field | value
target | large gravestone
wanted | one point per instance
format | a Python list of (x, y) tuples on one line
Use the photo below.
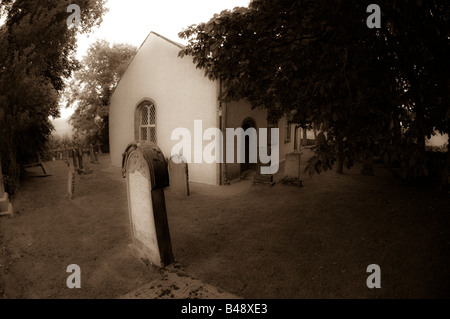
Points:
[(5, 206), (179, 175), (145, 169)]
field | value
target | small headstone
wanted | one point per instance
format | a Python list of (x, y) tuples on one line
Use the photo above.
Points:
[(71, 182), (65, 152), (86, 162), (179, 175), (96, 157), (80, 159), (99, 147), (93, 155), (145, 169), (292, 169), (75, 158)]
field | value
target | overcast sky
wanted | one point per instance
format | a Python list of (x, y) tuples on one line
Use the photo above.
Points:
[(131, 21)]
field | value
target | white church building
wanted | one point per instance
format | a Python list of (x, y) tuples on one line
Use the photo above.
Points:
[(161, 92)]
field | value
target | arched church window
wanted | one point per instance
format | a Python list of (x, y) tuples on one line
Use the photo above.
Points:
[(147, 122)]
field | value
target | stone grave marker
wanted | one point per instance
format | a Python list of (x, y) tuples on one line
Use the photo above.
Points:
[(75, 158), (71, 179), (65, 152), (86, 160), (79, 153), (179, 175), (5, 206), (292, 169), (145, 169), (99, 147), (93, 155)]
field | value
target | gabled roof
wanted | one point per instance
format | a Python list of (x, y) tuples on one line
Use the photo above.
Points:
[(168, 40), (180, 46)]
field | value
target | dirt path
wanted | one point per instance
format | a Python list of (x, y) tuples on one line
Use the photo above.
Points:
[(259, 242)]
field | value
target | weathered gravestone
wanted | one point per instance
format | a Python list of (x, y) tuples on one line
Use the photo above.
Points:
[(75, 159), (99, 147), (5, 206), (145, 169), (85, 162), (93, 155), (71, 179), (292, 169), (65, 152), (79, 152), (179, 175)]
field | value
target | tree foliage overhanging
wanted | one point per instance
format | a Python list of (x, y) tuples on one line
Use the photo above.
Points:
[(371, 90), (91, 89), (37, 53)]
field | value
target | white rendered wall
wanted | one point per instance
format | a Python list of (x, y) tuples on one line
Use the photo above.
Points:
[(180, 92)]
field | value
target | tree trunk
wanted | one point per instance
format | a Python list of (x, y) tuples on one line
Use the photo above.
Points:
[(420, 135), (2, 185), (305, 138), (419, 119), (13, 173), (296, 138)]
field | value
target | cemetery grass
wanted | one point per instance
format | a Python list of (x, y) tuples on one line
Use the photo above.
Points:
[(265, 242)]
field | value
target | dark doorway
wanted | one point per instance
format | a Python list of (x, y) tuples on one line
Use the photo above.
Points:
[(247, 166)]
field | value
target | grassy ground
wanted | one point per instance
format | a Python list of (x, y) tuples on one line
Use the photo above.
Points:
[(254, 241)]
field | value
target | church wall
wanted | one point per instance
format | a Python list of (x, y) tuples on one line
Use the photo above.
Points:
[(180, 92)]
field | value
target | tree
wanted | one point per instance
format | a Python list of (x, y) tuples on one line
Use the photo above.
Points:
[(318, 62), (92, 87), (417, 35), (37, 50)]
